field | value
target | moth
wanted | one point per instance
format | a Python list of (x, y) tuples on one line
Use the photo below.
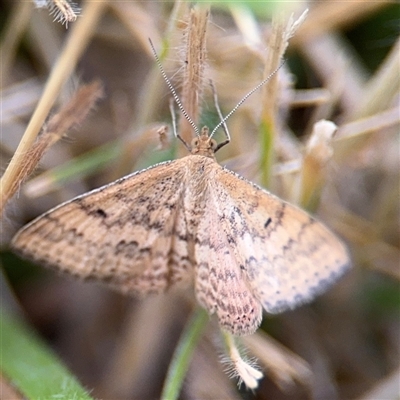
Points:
[(191, 221)]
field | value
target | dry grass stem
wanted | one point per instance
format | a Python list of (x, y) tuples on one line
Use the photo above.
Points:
[(379, 121), (69, 116), (69, 56), (278, 41), (310, 97), (193, 70), (276, 46), (77, 109), (317, 154)]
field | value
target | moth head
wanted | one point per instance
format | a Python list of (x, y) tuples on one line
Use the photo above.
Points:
[(203, 145)]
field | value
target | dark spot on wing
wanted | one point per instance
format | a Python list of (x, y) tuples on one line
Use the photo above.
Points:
[(101, 213), (267, 222)]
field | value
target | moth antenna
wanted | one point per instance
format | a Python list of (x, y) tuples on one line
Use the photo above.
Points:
[(175, 96), (221, 117), (222, 122)]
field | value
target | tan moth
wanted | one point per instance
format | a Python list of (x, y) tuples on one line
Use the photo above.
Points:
[(192, 221)]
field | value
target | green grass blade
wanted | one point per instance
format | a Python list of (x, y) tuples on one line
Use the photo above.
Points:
[(31, 367), (183, 354), (267, 153)]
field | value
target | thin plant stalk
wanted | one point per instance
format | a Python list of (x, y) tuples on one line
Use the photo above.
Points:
[(183, 354)]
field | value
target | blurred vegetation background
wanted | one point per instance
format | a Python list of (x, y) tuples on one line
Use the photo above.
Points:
[(343, 65)]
